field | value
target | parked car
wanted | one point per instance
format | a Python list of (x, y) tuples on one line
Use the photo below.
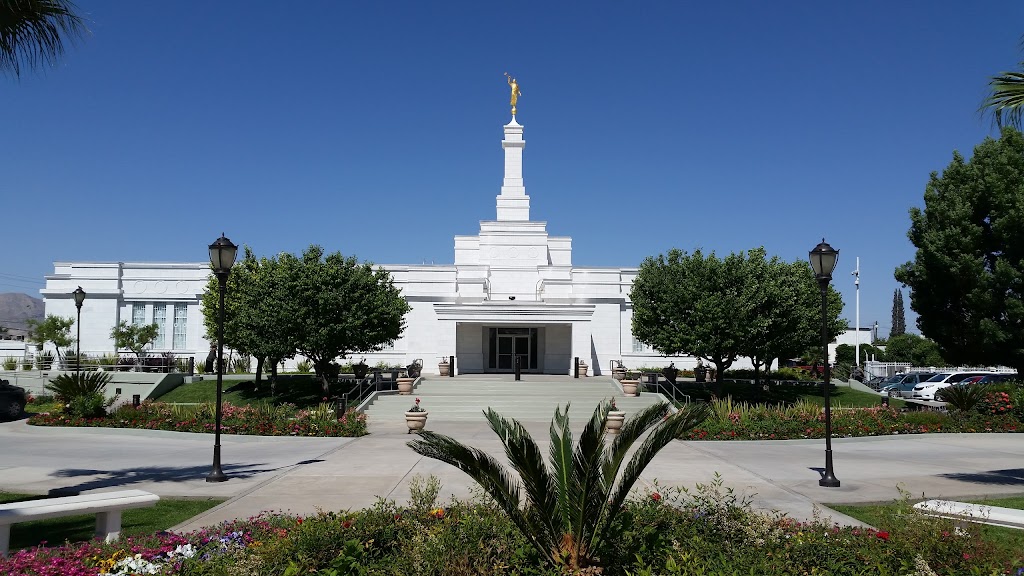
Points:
[(926, 390), (904, 386), (875, 383), (997, 378), (12, 401)]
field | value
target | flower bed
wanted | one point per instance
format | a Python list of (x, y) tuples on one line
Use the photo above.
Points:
[(711, 531), (744, 422), (280, 420)]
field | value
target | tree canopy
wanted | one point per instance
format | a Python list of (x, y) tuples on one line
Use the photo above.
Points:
[(134, 337), (967, 277), (321, 306), (899, 318), (53, 329), (720, 309), (1005, 98), (917, 350)]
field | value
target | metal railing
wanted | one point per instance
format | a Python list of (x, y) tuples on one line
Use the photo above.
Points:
[(374, 381)]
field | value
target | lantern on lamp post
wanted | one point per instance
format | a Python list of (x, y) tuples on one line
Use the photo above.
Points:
[(79, 295), (823, 262), (222, 258)]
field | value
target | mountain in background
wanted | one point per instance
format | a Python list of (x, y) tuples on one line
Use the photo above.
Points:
[(16, 308)]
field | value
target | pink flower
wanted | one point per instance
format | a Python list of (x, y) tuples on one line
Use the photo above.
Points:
[(655, 496)]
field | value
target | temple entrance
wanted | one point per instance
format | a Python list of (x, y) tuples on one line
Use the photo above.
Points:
[(509, 344)]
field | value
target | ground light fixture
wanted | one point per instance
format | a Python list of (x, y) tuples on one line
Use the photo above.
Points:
[(823, 262), (222, 258), (79, 295)]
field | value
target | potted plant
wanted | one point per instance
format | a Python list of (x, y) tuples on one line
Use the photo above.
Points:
[(700, 372), (618, 370), (414, 369), (583, 368), (613, 425), (443, 368), (631, 384), (416, 418), (670, 372), (360, 369)]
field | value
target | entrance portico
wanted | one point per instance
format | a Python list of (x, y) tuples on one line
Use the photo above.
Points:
[(489, 336)]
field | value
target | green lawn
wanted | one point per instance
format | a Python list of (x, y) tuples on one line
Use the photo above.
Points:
[(302, 390), (884, 516), (788, 394), (55, 531)]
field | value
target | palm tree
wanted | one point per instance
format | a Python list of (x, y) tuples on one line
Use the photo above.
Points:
[(1005, 99), (32, 32), (571, 503)]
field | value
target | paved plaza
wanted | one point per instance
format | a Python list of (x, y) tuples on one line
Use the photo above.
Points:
[(304, 474)]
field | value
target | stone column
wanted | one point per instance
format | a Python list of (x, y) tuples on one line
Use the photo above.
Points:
[(513, 203)]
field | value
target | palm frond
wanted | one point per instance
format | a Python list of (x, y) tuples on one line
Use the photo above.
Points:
[(589, 490), (1005, 99), (485, 470), (32, 32), (676, 424), (561, 461), (527, 459)]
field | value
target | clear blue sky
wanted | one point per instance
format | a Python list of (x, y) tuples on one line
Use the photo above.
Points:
[(373, 128)]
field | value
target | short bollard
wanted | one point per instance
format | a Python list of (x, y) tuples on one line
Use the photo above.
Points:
[(885, 401), (518, 369), (451, 366), (576, 367)]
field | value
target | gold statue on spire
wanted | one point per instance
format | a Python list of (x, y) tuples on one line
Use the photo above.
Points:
[(516, 93)]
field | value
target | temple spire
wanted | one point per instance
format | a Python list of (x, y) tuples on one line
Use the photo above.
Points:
[(513, 203)]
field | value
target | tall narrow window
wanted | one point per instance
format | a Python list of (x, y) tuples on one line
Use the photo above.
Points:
[(180, 322), (160, 319), (639, 347), (138, 313)]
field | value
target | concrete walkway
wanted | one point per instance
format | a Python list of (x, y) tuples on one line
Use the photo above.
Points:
[(304, 474)]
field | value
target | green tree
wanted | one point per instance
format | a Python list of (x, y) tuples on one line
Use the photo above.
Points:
[(967, 277), (846, 354), (1005, 99), (899, 319), (720, 309), (574, 500), (134, 337), (53, 329), (255, 319), (336, 306), (915, 349), (32, 32)]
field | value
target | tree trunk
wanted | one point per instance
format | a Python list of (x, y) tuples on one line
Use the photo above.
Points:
[(259, 370), (273, 377), (757, 371)]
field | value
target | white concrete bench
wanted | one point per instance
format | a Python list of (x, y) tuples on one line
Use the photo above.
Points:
[(106, 505), (962, 512)]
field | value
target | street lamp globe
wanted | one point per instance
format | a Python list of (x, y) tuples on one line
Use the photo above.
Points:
[(823, 260), (222, 255), (79, 295)]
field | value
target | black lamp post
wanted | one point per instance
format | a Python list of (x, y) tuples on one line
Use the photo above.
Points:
[(823, 261), (79, 295), (222, 258)]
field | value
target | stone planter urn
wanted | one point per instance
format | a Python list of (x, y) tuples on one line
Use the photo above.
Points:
[(614, 423), (416, 420), (359, 370), (630, 387), (444, 368), (405, 386), (583, 368), (619, 373)]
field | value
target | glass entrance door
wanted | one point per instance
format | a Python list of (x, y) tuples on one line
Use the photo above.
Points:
[(510, 347)]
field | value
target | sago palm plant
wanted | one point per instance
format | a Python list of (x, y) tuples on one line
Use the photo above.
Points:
[(571, 502), (72, 385)]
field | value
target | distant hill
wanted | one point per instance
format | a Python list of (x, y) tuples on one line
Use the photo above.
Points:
[(16, 308)]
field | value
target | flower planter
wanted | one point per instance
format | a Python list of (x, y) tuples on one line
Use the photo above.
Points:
[(619, 373), (583, 368), (416, 421), (360, 370), (443, 368), (630, 387), (405, 386), (614, 423)]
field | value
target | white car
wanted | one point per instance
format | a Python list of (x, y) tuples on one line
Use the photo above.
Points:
[(929, 388)]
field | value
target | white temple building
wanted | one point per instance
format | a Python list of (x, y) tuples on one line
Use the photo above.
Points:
[(512, 292)]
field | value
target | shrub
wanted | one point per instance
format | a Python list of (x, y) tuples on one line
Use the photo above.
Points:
[(69, 386), (304, 366), (10, 363), (963, 398), (26, 364), (995, 403), (240, 365), (92, 405), (44, 360)]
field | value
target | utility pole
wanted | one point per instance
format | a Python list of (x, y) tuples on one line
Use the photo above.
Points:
[(856, 283)]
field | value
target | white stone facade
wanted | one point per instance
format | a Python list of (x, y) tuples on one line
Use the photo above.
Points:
[(512, 291)]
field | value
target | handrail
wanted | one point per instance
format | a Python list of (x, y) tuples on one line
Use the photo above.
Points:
[(372, 382)]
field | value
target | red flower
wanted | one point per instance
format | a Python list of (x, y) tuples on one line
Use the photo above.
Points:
[(655, 496), (298, 520), (346, 524), (882, 534), (967, 556)]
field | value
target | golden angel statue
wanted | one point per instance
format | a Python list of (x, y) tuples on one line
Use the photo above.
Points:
[(516, 93)]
